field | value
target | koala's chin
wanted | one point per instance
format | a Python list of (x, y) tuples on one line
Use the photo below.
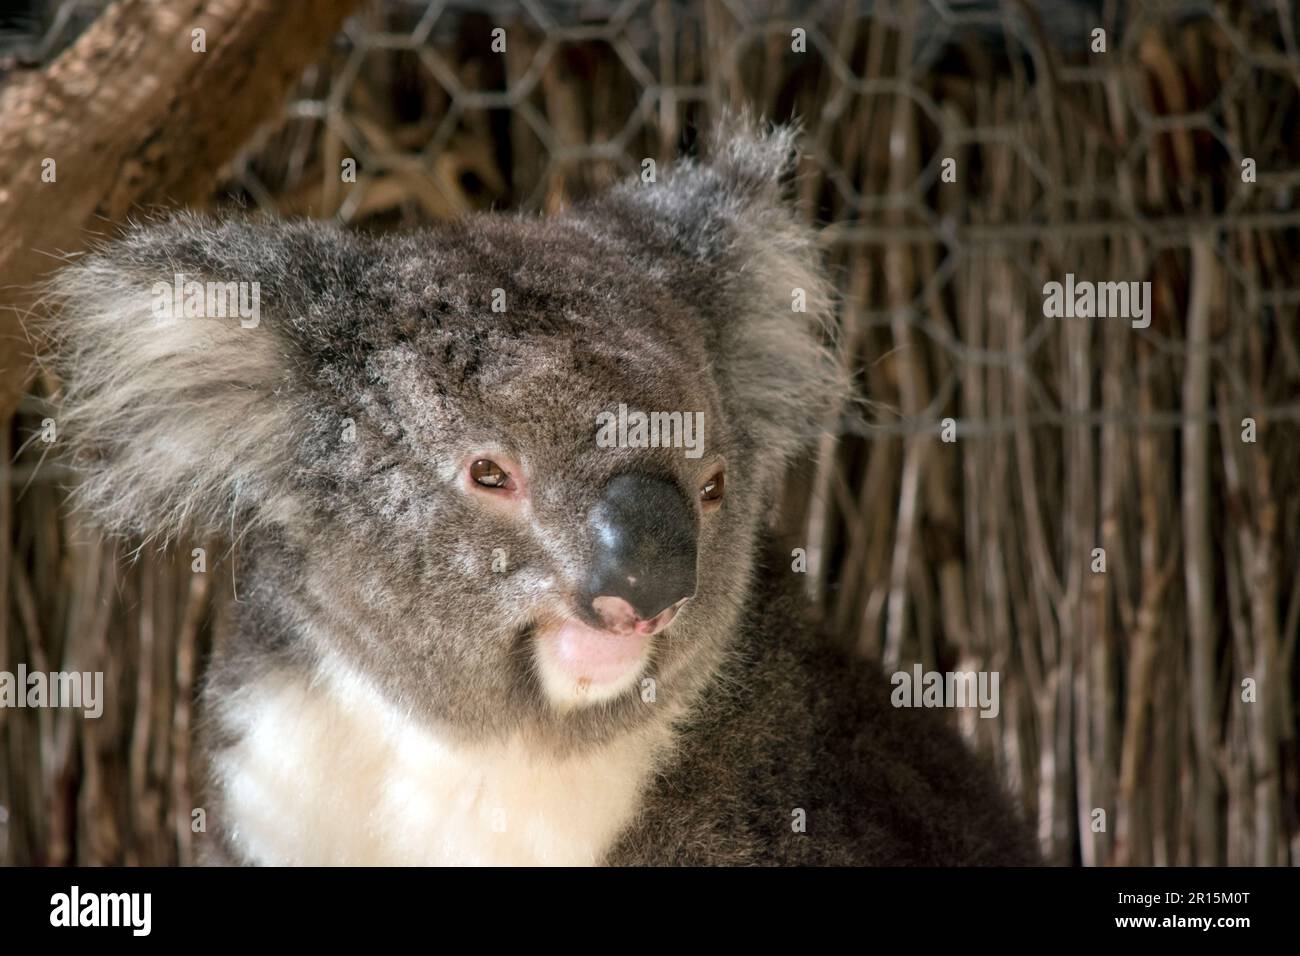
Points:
[(579, 664), (471, 628)]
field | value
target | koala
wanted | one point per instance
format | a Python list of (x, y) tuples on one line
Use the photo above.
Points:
[(467, 630)]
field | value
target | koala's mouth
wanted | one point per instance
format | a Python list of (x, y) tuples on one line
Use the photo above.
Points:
[(581, 664)]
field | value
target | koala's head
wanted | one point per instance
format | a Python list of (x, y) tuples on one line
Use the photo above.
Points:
[(513, 468)]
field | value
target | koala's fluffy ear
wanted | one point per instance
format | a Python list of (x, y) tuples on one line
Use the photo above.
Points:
[(770, 304), (171, 420)]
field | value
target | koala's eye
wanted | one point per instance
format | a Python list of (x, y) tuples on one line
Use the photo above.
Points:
[(712, 489), (489, 474)]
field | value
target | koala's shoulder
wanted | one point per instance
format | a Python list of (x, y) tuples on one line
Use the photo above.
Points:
[(797, 756)]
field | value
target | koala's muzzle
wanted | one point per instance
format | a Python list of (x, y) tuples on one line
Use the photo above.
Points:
[(643, 558)]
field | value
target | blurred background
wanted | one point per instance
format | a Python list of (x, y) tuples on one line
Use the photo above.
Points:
[(1173, 156)]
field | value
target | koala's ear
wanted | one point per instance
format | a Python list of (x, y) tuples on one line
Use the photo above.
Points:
[(175, 420), (769, 305)]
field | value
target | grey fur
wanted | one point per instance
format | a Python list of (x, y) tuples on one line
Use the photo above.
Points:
[(674, 295)]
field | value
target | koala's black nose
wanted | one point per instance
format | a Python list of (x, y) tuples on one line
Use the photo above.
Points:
[(644, 550)]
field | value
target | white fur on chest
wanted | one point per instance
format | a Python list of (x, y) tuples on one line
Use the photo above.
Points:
[(330, 774)]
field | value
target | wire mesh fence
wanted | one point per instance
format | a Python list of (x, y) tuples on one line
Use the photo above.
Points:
[(1102, 510)]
